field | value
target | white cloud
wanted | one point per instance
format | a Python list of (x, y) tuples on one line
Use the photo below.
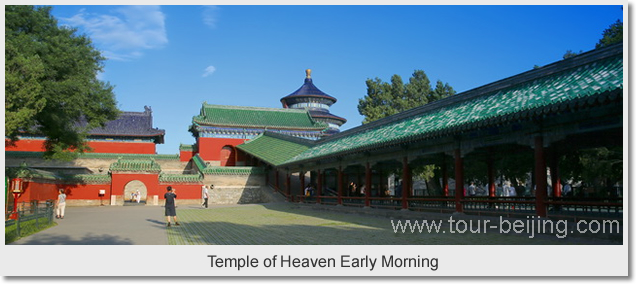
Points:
[(210, 15), (125, 33), (208, 71)]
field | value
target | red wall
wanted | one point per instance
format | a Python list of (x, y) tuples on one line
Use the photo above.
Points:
[(123, 147), (153, 187), (38, 191), (85, 191), (26, 145), (151, 181), (183, 190), (33, 145), (210, 148), (45, 191), (185, 156)]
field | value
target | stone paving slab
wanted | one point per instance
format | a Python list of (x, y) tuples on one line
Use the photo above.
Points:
[(293, 224), (104, 225), (257, 224)]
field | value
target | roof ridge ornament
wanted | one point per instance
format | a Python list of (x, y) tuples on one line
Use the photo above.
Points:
[(308, 72)]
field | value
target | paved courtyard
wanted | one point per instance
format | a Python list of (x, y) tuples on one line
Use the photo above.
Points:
[(259, 224)]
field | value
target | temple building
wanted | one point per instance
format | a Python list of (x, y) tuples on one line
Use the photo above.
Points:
[(131, 133), (309, 97), (537, 116), (124, 158), (123, 161), (218, 129)]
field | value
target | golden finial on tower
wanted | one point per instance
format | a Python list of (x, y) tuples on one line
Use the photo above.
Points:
[(308, 72)]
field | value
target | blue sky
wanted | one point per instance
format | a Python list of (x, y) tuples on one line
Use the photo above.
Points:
[(173, 58)]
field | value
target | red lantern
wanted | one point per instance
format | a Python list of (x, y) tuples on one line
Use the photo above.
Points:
[(16, 189)]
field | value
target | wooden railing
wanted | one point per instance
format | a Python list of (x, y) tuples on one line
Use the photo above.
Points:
[(482, 205)]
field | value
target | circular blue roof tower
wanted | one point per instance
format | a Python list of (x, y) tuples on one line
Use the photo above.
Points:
[(309, 97)]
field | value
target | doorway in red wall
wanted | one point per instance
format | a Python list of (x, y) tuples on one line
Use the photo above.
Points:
[(228, 156), (135, 187)]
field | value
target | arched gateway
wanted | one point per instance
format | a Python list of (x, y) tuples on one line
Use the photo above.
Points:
[(132, 175), (134, 187)]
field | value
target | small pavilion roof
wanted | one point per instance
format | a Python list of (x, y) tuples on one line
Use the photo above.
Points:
[(256, 117), (327, 115), (308, 89)]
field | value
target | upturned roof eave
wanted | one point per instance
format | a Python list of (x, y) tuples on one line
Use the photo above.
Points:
[(325, 96), (200, 124)]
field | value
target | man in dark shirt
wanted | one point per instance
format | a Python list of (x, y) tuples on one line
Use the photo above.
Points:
[(170, 196)]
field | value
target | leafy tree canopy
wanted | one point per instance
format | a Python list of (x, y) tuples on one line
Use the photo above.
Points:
[(51, 82), (598, 167), (570, 53), (384, 99), (611, 35)]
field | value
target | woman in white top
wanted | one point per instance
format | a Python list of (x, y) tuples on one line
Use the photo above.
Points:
[(60, 204), (205, 195)]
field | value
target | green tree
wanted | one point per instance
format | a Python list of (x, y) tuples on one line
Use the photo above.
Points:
[(570, 53), (611, 35), (384, 99), (51, 82), (599, 168)]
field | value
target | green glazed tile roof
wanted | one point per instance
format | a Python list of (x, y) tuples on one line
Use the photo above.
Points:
[(187, 147), (274, 148), (206, 169), (129, 156), (135, 165), (238, 116), (547, 91), (215, 170), (200, 163), (26, 172), (31, 173), (180, 178), (87, 179)]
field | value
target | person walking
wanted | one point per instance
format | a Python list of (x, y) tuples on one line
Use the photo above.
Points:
[(171, 211), (60, 204), (205, 194), (471, 189)]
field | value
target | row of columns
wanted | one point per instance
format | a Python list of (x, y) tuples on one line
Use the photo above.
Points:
[(540, 176)]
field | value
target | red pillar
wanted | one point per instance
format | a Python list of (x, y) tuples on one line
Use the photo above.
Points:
[(319, 186), (302, 182), (445, 177), (554, 174), (288, 187), (367, 185), (540, 176), (406, 182), (340, 185), (267, 177), (359, 182), (459, 181), (491, 178)]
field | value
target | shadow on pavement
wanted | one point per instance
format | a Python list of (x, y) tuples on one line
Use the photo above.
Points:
[(89, 239)]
